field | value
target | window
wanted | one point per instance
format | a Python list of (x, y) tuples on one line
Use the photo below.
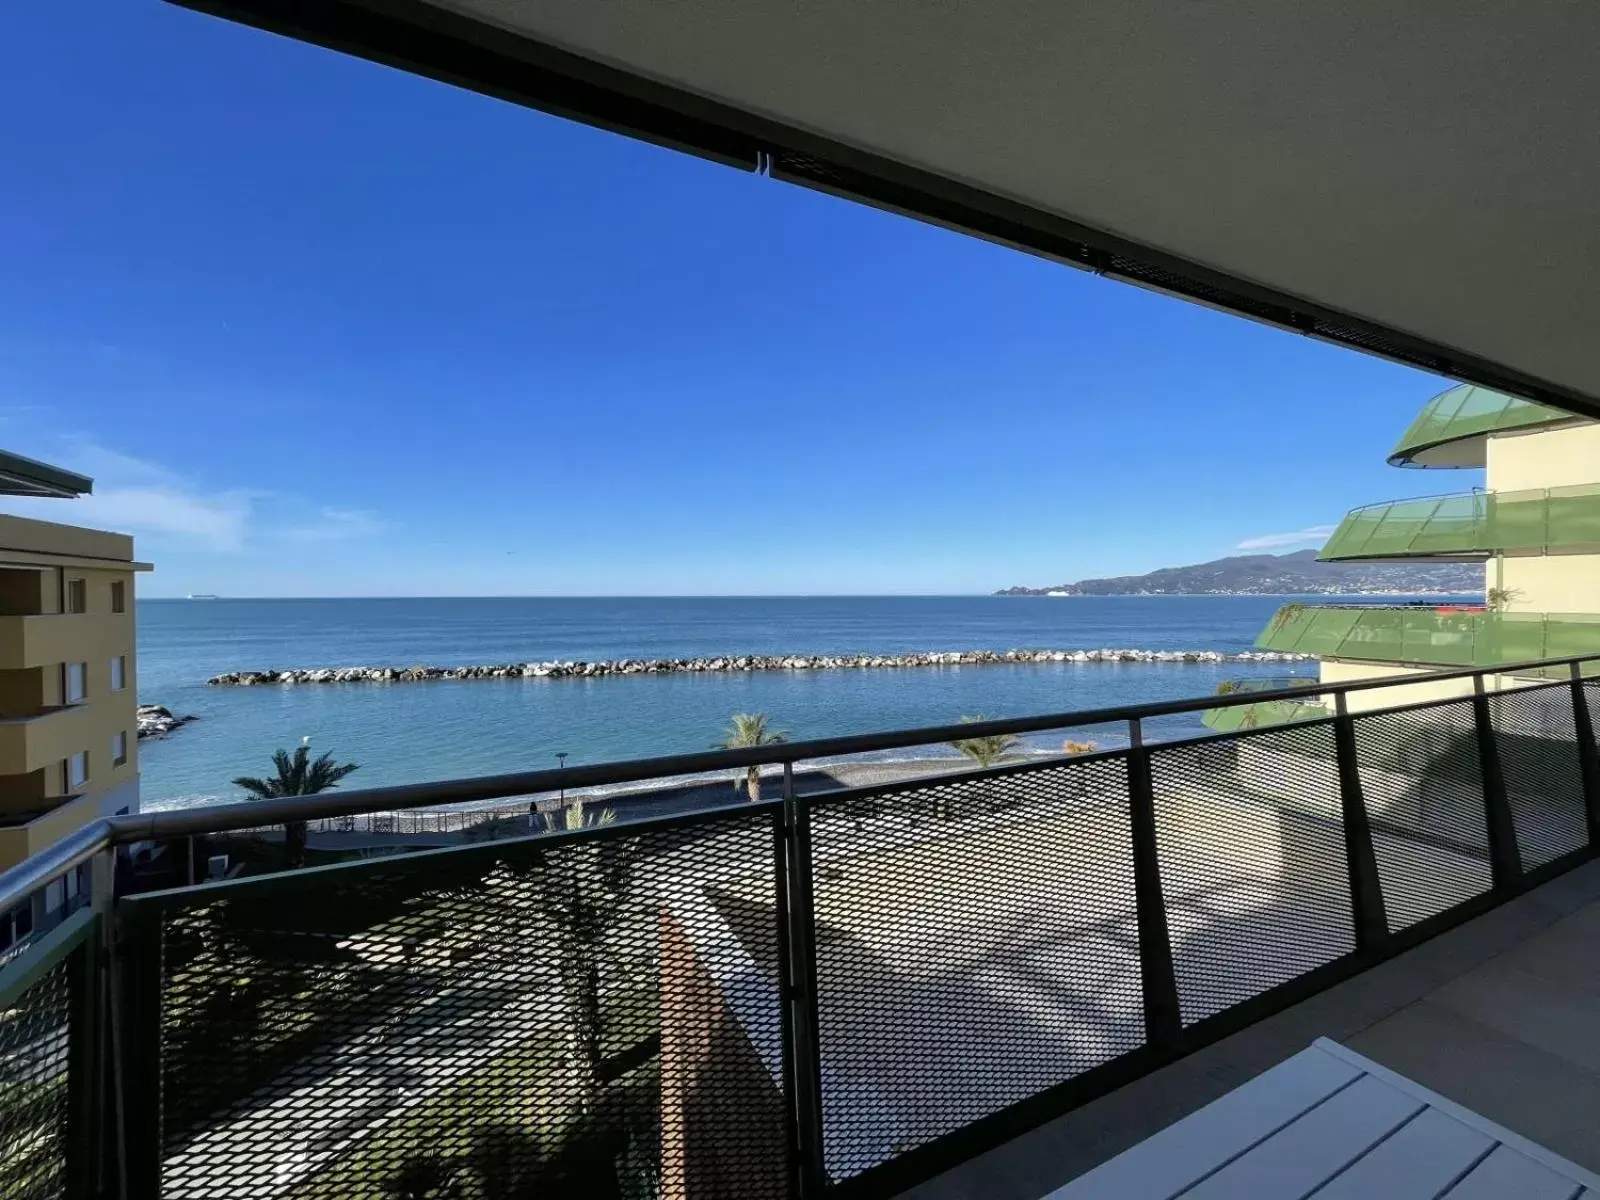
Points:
[(119, 596), (119, 673), (73, 677), (77, 596), (119, 748), (77, 769)]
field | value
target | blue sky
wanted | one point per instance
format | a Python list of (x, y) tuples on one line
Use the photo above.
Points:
[(317, 327)]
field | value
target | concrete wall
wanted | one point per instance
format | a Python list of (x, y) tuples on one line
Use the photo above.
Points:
[(1549, 583), (1539, 583), (46, 537), (1336, 670), (1554, 458)]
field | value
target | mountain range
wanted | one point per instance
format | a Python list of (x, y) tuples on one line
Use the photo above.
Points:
[(1298, 573)]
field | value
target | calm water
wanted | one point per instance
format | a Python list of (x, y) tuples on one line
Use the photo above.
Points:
[(411, 732)]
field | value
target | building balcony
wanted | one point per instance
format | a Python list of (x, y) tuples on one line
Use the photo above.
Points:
[(42, 640), (35, 741), (1452, 428), (1266, 712), (1471, 526), (1462, 636), (30, 826)]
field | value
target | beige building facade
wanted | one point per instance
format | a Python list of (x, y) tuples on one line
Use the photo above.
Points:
[(1534, 526), (68, 673)]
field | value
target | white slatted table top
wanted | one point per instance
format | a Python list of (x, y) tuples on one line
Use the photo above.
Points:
[(1333, 1125)]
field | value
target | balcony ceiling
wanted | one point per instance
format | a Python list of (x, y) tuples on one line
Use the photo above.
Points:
[(1417, 180)]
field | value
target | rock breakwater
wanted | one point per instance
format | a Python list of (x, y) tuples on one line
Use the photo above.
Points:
[(739, 663), (157, 720)]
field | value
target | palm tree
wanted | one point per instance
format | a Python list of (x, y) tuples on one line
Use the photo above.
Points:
[(984, 751), (575, 816), (750, 729), (298, 775)]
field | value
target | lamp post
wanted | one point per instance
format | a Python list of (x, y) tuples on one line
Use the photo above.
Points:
[(561, 760)]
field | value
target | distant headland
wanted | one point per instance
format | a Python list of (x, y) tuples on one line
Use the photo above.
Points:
[(1297, 574)]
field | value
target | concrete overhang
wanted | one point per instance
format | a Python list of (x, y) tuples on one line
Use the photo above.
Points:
[(1416, 181)]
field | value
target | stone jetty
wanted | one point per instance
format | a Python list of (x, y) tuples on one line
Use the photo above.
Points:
[(739, 663)]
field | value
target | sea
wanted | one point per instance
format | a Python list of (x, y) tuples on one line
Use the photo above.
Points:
[(415, 732)]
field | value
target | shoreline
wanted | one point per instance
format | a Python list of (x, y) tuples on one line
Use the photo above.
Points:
[(732, 664)]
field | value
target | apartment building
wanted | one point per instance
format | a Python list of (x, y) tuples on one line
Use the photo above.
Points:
[(68, 739)]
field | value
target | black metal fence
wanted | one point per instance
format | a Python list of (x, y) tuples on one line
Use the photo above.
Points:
[(831, 994)]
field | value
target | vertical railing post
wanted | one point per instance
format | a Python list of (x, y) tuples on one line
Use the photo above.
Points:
[(1367, 911), (1588, 762), (136, 972), (787, 994), (803, 1049), (85, 1064), (110, 1182), (1163, 1017), (1505, 860)]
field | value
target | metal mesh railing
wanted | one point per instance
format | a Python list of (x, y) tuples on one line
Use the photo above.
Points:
[(34, 1092), (975, 945), (838, 989), (1252, 863), (1547, 520), (588, 1015), (1421, 780), (1538, 747)]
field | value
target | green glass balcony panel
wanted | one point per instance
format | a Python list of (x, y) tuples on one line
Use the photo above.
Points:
[(1515, 637), (1268, 712), (1449, 431), (1573, 520), (1439, 637), (1544, 521), (1306, 629), (1376, 633), (1571, 634), (1519, 521), (1447, 639)]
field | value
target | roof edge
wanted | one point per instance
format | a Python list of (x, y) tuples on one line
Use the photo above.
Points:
[(20, 476)]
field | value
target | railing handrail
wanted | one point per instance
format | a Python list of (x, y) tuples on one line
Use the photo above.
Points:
[(221, 818), (37, 870), (55, 860), (1475, 493), (1409, 608), (1458, 494)]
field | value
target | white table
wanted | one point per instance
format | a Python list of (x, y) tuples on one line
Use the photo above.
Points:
[(1333, 1125)]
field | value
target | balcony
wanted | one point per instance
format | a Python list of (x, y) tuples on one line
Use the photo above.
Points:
[(1451, 429), (837, 991), (1429, 636), (1266, 712), (41, 640), (42, 739), (1471, 526)]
